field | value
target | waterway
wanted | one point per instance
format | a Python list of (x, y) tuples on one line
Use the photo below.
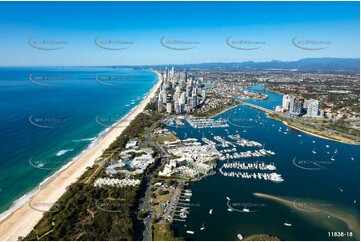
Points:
[(319, 194)]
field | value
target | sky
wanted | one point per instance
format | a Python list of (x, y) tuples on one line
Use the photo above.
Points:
[(144, 33)]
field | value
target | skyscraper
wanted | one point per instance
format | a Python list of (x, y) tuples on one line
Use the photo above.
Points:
[(296, 105), (286, 101), (313, 108), (169, 107)]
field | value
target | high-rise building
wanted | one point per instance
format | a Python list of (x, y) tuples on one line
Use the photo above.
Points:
[(172, 73), (204, 94), (166, 74), (286, 101), (169, 107), (164, 96), (194, 100), (181, 107), (160, 104), (296, 105), (313, 108), (176, 107)]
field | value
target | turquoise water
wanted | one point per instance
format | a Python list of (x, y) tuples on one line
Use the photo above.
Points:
[(322, 196), (49, 118)]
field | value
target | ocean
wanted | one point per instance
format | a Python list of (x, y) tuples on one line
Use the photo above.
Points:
[(320, 192), (50, 115)]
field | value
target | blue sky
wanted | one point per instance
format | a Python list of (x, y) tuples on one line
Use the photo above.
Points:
[(209, 24)]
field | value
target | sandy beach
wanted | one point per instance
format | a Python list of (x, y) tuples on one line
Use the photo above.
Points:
[(21, 221)]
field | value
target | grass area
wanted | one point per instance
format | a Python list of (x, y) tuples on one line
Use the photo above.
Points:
[(163, 232), (312, 130), (262, 237), (162, 138)]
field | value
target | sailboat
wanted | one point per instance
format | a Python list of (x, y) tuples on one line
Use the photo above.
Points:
[(332, 158), (202, 228), (336, 151), (314, 151)]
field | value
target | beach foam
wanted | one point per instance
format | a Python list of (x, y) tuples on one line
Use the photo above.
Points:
[(62, 152)]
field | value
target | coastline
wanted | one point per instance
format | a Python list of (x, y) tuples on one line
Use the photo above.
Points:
[(22, 220), (308, 132), (313, 134), (225, 110)]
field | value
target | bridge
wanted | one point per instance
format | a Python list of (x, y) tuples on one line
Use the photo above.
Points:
[(266, 110)]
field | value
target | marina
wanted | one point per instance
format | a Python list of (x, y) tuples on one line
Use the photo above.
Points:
[(264, 164), (203, 123), (250, 166), (274, 177)]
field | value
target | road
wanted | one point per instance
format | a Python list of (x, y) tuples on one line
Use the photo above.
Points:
[(147, 233)]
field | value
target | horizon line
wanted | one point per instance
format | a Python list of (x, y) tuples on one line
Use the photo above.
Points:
[(172, 64)]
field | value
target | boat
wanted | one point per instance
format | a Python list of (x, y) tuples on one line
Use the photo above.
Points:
[(230, 209), (352, 158), (287, 224), (314, 151), (327, 146), (239, 236), (190, 232), (313, 141), (246, 210), (335, 151), (202, 228), (332, 158), (211, 211), (299, 135), (228, 198)]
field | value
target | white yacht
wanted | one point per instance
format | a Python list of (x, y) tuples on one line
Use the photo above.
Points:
[(239, 236), (202, 228)]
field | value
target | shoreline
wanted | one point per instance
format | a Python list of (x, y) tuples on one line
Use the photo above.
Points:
[(23, 219), (308, 132), (313, 134)]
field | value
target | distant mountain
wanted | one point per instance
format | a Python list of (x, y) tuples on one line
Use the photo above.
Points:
[(306, 64)]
